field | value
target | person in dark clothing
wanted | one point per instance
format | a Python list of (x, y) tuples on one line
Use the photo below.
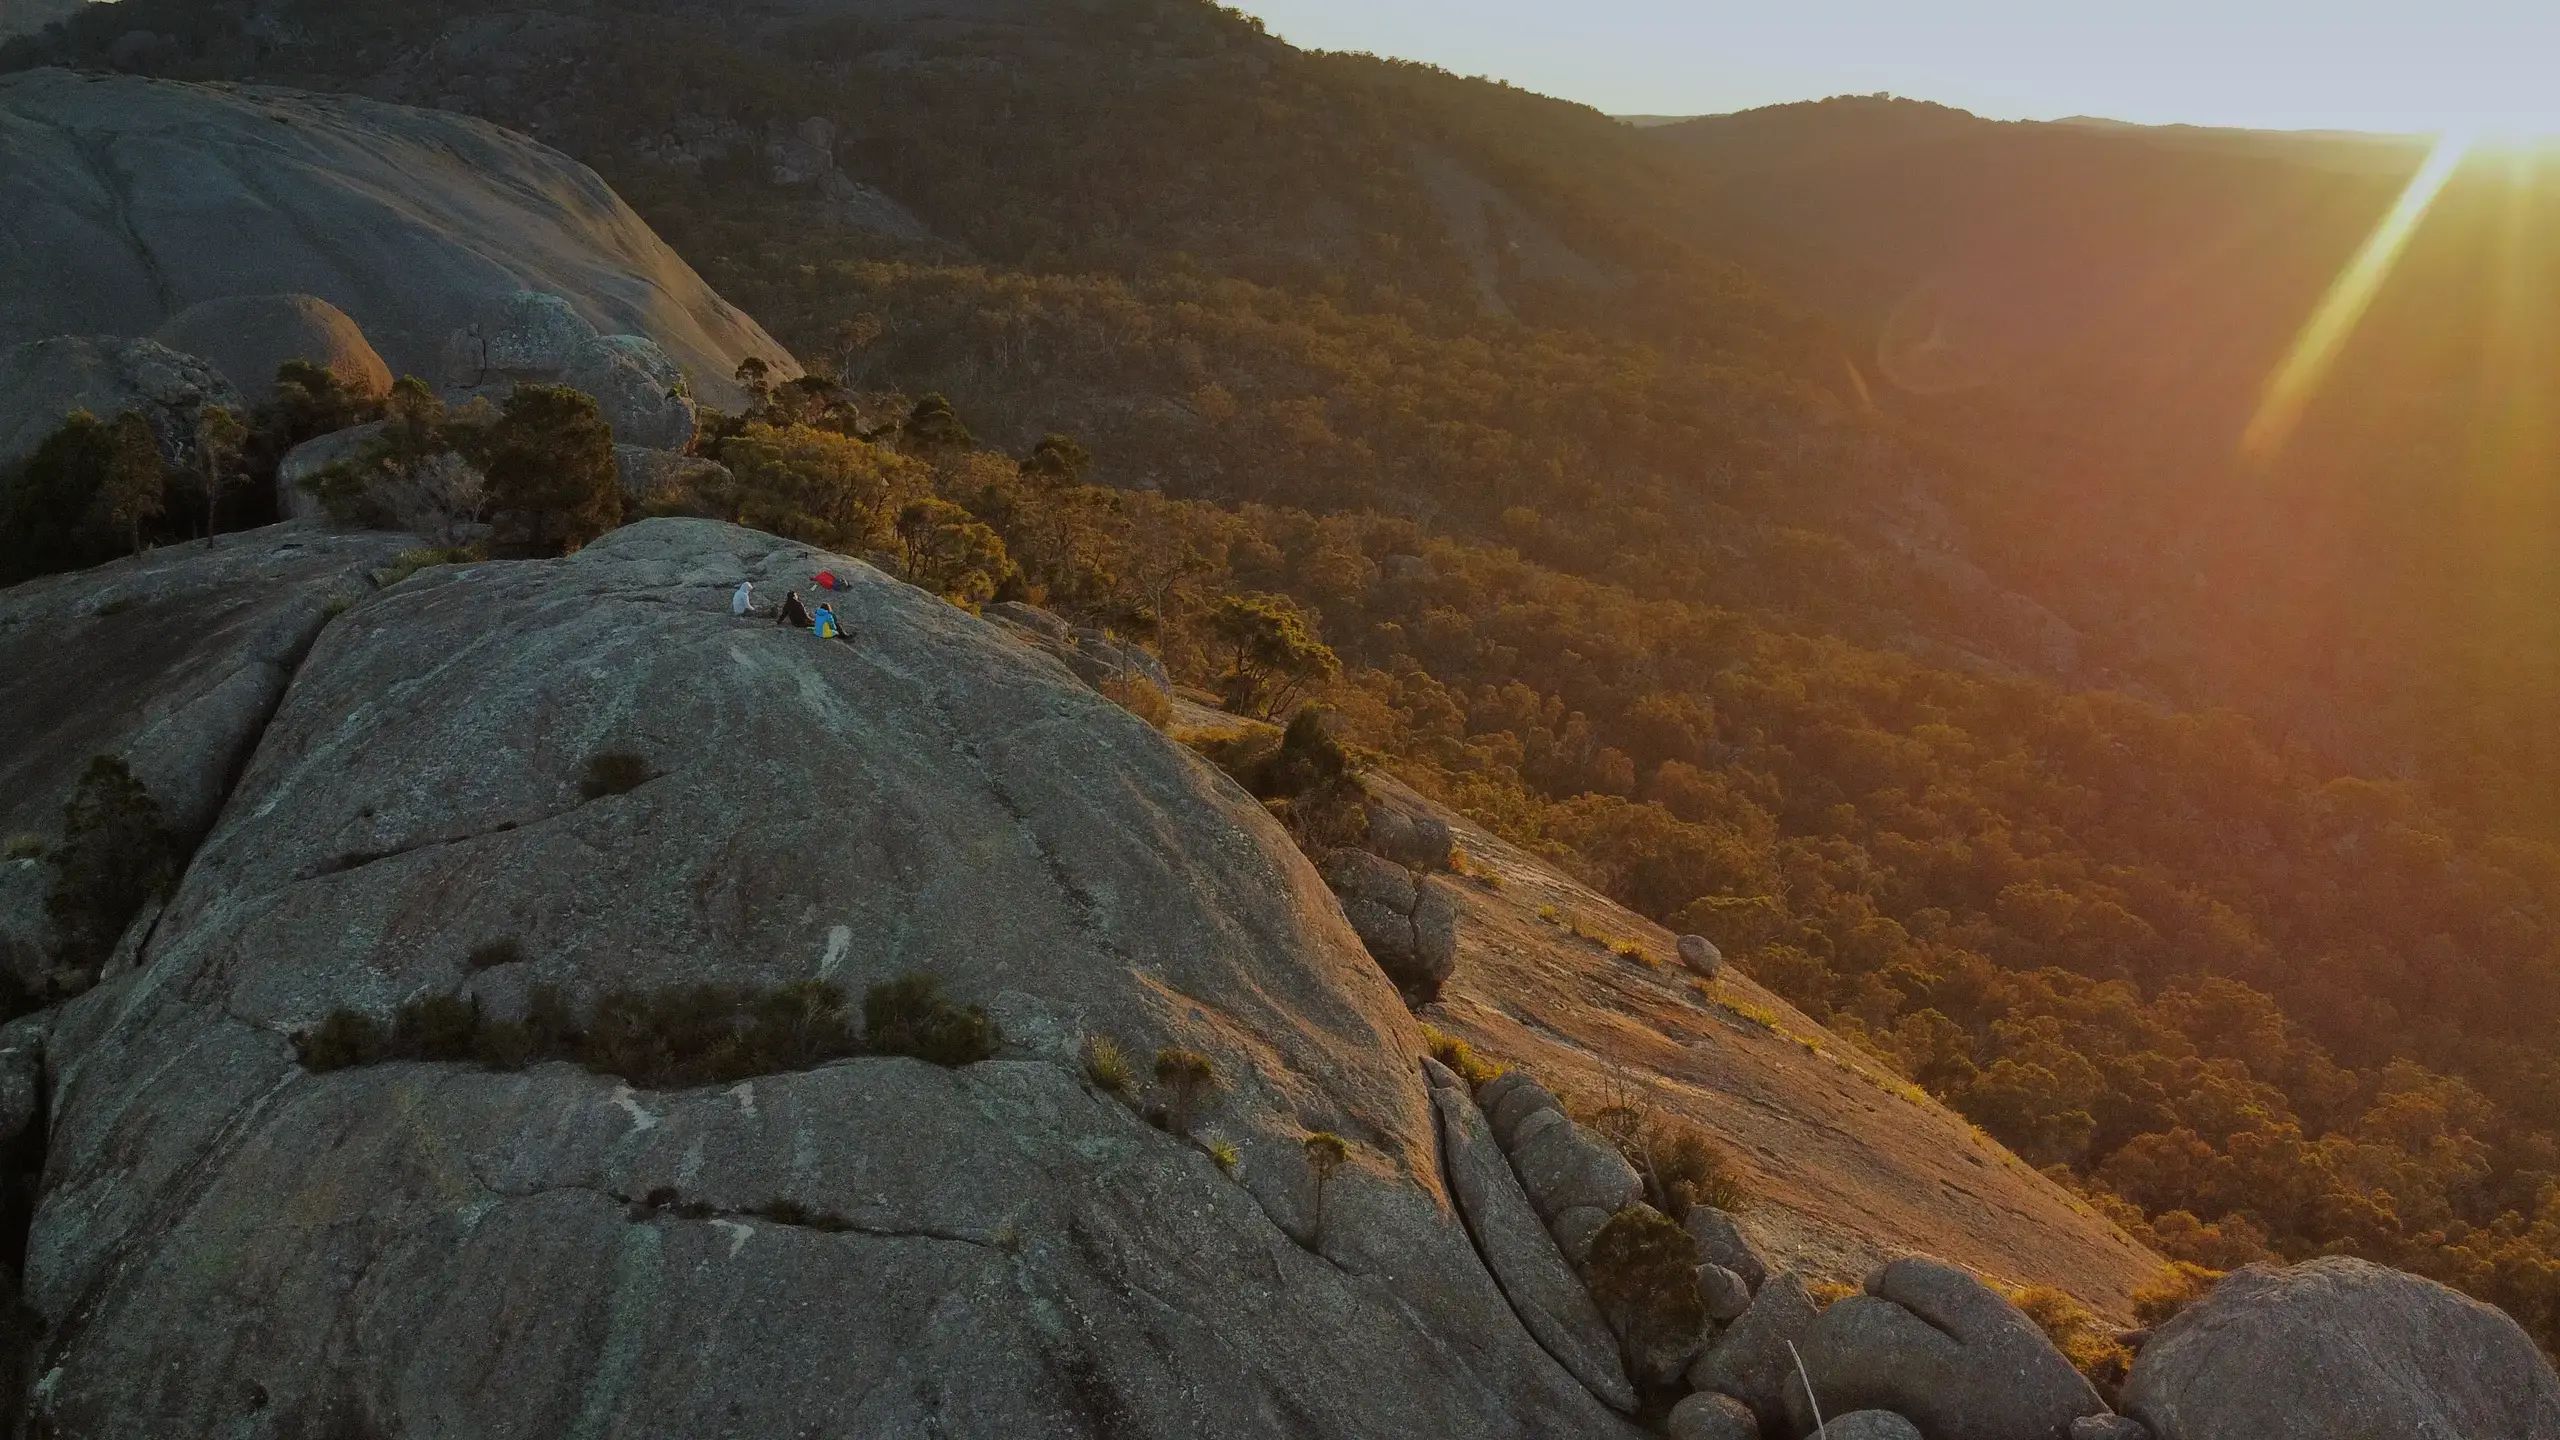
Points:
[(794, 614)]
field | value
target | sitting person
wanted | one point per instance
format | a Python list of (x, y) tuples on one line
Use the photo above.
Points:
[(824, 624), (794, 614)]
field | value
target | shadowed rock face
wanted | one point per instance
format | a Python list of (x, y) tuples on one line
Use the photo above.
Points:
[(173, 659), (440, 1247), (130, 200)]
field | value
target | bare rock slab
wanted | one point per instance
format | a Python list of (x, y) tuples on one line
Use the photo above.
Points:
[(2341, 1349), (1931, 1343), (1533, 1274)]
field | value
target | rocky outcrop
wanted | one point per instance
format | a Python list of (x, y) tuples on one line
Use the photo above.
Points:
[(304, 462), (1871, 1425), (1095, 656), (1722, 1243), (131, 201), (2340, 1349), (1408, 921), (1750, 1360), (536, 338), (2108, 1427), (1415, 841), (1706, 1416), (1532, 1272), (249, 337), (875, 1246), (1930, 1342), (1701, 956), (42, 381), (173, 659)]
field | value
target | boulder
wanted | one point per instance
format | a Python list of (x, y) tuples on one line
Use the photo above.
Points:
[(1408, 922), (877, 1246), (132, 200), (1723, 1293), (1701, 955), (1750, 1360), (1721, 1242), (537, 338), (1574, 1229), (173, 659), (1096, 657), (2345, 1350), (1870, 1425), (1565, 1166), (43, 381), (1415, 841), (1930, 1342), (1508, 1107), (306, 460), (249, 337), (1533, 1274), (1708, 1416), (663, 479), (2109, 1427)]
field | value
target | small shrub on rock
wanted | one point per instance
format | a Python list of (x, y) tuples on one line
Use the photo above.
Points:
[(2088, 1343), (490, 954), (1188, 1080), (114, 857), (911, 1016), (343, 1039), (2171, 1289), (1107, 1067), (1470, 1064), (1644, 1277)]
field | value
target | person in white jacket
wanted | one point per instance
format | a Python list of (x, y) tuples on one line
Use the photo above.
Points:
[(744, 601)]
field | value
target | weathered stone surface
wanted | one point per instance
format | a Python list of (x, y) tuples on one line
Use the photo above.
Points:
[(1565, 1166), (1930, 1342), (1870, 1425), (1708, 1416), (131, 200), (1721, 1242), (1541, 1287), (662, 477), (42, 381), (249, 337), (305, 461), (1417, 842), (532, 337), (2340, 1348), (2109, 1427), (173, 659), (1096, 657), (1750, 1361), (1407, 923), (1574, 1229), (1701, 955), (1723, 1293), (456, 1249), (1510, 1108)]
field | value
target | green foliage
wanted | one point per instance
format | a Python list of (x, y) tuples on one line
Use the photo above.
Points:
[(47, 522), (1189, 1081), (934, 425), (2172, 1289), (551, 480), (1643, 1272), (114, 858), (1681, 1166), (614, 772), (1225, 1154), (813, 485), (1271, 655), (950, 553), (911, 1016)]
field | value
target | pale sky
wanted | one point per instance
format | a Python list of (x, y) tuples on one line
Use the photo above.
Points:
[(2400, 65)]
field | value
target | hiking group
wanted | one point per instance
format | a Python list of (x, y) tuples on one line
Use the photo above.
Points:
[(793, 614)]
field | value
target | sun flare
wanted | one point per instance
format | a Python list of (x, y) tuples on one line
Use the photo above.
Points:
[(2316, 348)]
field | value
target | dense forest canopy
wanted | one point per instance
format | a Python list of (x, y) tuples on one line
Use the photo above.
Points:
[(2190, 829)]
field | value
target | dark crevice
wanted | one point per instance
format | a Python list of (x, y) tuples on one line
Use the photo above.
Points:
[(668, 1203)]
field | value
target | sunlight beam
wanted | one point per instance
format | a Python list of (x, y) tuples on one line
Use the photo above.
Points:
[(2290, 389)]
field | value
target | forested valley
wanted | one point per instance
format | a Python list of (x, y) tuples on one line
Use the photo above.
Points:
[(1627, 553)]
